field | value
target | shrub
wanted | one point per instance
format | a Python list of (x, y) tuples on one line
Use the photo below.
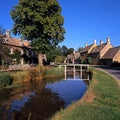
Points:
[(54, 72), (5, 79), (19, 77)]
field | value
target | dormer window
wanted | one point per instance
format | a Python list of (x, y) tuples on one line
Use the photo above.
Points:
[(11, 50)]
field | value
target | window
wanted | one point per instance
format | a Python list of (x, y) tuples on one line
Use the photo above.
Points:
[(11, 50)]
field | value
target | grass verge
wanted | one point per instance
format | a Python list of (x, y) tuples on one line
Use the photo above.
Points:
[(101, 101)]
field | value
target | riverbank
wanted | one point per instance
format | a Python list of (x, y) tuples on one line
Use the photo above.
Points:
[(12, 79), (101, 101)]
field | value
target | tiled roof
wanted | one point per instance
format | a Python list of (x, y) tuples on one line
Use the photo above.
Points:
[(86, 49), (1, 37), (69, 56), (76, 55), (16, 42), (97, 49), (111, 53)]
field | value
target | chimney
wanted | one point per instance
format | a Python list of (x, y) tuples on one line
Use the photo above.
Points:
[(8, 33), (101, 42), (108, 40), (94, 42), (86, 44)]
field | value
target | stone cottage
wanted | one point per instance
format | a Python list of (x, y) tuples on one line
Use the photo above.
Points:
[(104, 53), (73, 58), (23, 48), (111, 56), (99, 51), (88, 48)]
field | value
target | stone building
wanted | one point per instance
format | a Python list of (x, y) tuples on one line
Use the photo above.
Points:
[(22, 47), (73, 58), (111, 56), (99, 51), (88, 48), (104, 53)]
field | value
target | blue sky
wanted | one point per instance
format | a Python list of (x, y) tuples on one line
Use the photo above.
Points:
[(85, 20)]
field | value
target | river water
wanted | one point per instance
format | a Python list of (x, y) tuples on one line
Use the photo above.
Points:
[(39, 100)]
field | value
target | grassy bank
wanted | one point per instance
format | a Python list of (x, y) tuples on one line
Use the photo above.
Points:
[(101, 101), (39, 73)]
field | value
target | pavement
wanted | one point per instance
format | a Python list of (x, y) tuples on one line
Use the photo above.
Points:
[(112, 71)]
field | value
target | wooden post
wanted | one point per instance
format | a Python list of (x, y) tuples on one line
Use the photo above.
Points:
[(81, 72), (88, 70), (74, 71)]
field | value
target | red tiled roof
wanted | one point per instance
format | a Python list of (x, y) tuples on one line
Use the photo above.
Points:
[(111, 53)]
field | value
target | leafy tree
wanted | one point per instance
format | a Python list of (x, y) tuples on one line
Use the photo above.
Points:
[(51, 55), (70, 50), (59, 59), (39, 21), (79, 49), (64, 50)]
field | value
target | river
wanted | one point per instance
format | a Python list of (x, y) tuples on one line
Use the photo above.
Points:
[(39, 100)]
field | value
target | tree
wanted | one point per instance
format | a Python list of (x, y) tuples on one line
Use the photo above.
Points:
[(51, 55), (70, 50), (64, 50), (39, 21), (79, 49)]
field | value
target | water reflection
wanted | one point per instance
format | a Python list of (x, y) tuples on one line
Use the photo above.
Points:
[(69, 90), (38, 100)]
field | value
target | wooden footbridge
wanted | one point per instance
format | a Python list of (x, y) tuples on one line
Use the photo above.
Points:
[(76, 71)]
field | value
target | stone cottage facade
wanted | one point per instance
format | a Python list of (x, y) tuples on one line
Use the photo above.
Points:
[(104, 53), (23, 48), (88, 48), (99, 51), (73, 58), (111, 56)]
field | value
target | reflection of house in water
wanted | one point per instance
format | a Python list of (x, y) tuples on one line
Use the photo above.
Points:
[(19, 47), (104, 53)]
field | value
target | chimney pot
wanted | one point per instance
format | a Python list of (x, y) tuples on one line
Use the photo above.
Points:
[(108, 40), (101, 42), (86, 45), (8, 33), (94, 41)]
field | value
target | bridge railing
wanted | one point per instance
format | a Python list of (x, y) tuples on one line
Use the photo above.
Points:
[(77, 71)]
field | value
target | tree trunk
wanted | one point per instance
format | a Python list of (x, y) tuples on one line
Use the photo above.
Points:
[(40, 59)]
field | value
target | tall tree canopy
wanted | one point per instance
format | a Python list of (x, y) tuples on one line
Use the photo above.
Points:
[(39, 21)]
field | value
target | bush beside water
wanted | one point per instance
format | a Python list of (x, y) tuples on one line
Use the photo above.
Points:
[(5, 79)]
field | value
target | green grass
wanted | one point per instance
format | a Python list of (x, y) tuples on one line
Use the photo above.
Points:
[(101, 101)]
